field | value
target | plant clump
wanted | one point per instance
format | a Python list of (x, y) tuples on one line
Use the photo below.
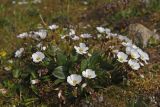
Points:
[(68, 63)]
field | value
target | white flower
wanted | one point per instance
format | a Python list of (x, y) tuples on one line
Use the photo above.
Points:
[(22, 2), (89, 73), (99, 35), (38, 57), (8, 68), (128, 50), (82, 49), (74, 79), (141, 75), (109, 34), (60, 94), (63, 36), (101, 29), (10, 61), (23, 35), (41, 33), (74, 37), (13, 2), (144, 56), (134, 64), (3, 91), (72, 32), (86, 35), (36, 1), (84, 85), (85, 3), (134, 54), (134, 46), (35, 81), (108, 31), (53, 27), (19, 52), (122, 57), (44, 48)]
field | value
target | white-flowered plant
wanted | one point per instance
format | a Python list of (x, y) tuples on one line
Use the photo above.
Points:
[(85, 35), (23, 35), (134, 64), (24, 2), (19, 52), (89, 73), (72, 32), (38, 57), (122, 57), (104, 53), (74, 37), (81, 49), (41, 33), (103, 30), (53, 27), (74, 79), (135, 53)]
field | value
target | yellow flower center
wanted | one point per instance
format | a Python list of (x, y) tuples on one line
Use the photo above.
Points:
[(89, 76), (74, 82), (133, 55), (81, 50), (38, 58), (121, 59)]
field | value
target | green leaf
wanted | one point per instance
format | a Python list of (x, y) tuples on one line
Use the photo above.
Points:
[(30, 99), (46, 62), (27, 102), (98, 87), (57, 81), (58, 72), (33, 74), (52, 50), (95, 58), (46, 78), (16, 73), (61, 59), (84, 64), (34, 89), (74, 58)]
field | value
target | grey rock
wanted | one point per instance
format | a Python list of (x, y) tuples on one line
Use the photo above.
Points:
[(141, 34)]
